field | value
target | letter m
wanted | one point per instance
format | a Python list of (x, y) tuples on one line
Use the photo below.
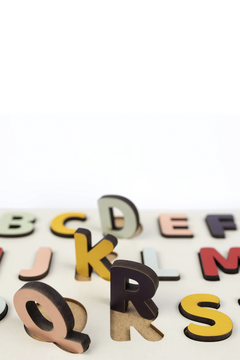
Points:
[(210, 259)]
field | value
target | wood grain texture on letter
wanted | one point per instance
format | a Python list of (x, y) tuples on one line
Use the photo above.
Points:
[(121, 322)]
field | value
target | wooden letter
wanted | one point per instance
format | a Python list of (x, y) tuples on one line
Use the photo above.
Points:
[(131, 305), (88, 257), (16, 224), (122, 322), (130, 224), (174, 226), (41, 266), (149, 258), (140, 295), (60, 329), (3, 308), (58, 224), (210, 258), (218, 223), (192, 308)]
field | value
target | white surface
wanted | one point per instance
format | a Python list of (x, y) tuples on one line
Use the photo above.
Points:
[(2, 305), (171, 162), (94, 295), (150, 258), (127, 57)]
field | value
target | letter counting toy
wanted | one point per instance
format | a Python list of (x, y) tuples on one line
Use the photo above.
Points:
[(126, 302)]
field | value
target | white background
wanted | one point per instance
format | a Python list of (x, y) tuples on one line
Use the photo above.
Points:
[(136, 98), (161, 162)]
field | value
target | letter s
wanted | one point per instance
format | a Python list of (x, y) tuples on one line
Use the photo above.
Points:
[(192, 308)]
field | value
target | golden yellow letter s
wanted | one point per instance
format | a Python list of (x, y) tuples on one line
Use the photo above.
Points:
[(192, 307)]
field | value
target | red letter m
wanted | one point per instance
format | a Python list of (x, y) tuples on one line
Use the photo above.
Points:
[(210, 259)]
